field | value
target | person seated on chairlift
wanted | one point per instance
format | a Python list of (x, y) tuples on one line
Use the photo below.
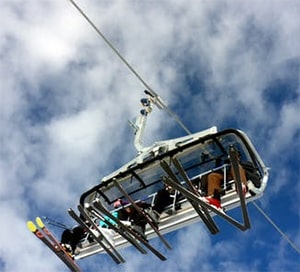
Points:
[(214, 181), (70, 238), (122, 214), (129, 216), (162, 200)]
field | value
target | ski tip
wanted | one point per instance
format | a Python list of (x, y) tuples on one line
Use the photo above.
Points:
[(31, 226), (40, 222)]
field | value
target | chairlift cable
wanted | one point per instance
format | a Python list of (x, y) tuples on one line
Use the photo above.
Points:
[(276, 227), (168, 110)]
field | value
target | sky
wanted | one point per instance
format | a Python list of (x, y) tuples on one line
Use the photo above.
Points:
[(65, 102)]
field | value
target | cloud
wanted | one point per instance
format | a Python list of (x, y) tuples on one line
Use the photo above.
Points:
[(66, 99)]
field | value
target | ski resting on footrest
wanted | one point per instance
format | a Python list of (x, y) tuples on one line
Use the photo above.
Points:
[(233, 156), (120, 229), (111, 249), (142, 213), (198, 200), (202, 212), (126, 231), (116, 257)]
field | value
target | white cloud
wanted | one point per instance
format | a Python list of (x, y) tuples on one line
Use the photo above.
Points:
[(66, 98)]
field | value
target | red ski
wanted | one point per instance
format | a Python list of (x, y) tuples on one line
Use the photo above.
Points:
[(51, 242)]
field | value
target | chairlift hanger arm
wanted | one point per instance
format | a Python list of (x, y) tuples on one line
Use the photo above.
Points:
[(160, 103)]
